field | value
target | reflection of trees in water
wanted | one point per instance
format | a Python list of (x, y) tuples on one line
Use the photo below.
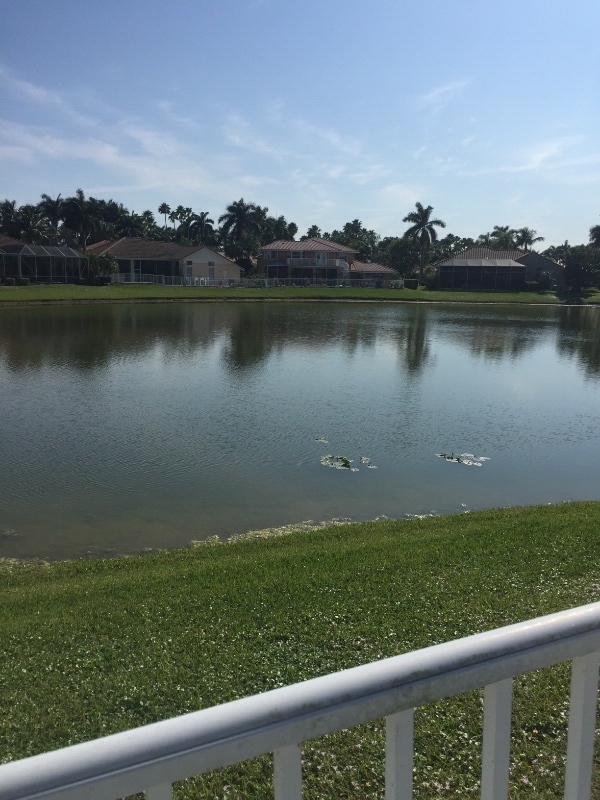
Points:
[(579, 337), (258, 330), (89, 337), (497, 333), (409, 333), (416, 351)]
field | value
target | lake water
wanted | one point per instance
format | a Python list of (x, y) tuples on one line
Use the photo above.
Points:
[(128, 427)]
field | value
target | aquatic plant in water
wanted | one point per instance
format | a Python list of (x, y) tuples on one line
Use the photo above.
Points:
[(337, 462), (468, 459)]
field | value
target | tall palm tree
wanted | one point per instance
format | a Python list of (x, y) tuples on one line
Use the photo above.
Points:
[(53, 211), (526, 237), (165, 209), (9, 223), (81, 217), (33, 227), (422, 231)]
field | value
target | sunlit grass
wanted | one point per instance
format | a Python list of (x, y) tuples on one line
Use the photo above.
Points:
[(94, 647), (142, 292)]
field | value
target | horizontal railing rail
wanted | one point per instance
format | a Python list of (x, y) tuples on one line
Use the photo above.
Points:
[(151, 758)]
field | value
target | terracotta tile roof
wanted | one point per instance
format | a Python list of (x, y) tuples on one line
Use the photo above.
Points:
[(5, 239), (130, 247), (309, 244), (459, 261), (362, 266)]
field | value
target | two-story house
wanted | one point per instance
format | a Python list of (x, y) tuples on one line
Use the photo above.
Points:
[(312, 260)]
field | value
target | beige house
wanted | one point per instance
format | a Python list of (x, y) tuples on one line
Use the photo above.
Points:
[(145, 259), (208, 266)]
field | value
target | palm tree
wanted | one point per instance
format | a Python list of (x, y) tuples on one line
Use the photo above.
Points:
[(53, 212), (200, 227), (165, 209), (81, 217), (526, 237), (502, 237), (33, 227), (241, 227), (422, 231)]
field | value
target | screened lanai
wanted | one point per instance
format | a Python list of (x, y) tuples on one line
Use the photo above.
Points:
[(42, 263)]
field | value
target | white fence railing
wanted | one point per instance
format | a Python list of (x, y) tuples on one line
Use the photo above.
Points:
[(150, 759)]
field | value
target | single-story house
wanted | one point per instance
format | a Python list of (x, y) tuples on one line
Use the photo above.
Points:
[(318, 260), (40, 263), (194, 263), (487, 268), (371, 274)]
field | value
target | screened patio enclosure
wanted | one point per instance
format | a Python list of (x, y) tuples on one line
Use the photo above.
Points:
[(481, 273), (42, 263)]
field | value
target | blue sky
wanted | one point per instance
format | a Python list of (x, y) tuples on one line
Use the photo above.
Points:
[(322, 111)]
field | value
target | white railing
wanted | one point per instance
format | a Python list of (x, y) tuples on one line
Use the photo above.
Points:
[(150, 759)]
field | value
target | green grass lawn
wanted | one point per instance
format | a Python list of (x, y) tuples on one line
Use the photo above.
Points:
[(141, 292), (94, 647)]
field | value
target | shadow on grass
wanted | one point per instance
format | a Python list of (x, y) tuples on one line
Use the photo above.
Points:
[(578, 297)]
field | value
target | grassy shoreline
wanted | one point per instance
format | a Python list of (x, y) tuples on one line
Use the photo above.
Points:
[(93, 647), (24, 295)]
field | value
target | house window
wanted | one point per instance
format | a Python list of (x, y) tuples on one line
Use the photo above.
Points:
[(188, 262), (211, 263), (296, 254), (269, 254)]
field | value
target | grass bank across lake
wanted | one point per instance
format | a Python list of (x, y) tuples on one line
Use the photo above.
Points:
[(152, 293), (94, 647)]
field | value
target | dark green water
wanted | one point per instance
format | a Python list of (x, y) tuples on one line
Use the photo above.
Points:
[(132, 427)]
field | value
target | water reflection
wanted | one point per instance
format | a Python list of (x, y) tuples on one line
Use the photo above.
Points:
[(579, 337), (88, 338), (133, 426)]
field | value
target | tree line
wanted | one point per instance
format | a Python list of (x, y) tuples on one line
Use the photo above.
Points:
[(244, 227)]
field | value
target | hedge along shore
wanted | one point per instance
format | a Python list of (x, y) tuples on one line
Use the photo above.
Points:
[(56, 294), (94, 647)]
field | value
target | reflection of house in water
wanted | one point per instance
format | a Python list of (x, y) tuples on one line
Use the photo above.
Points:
[(319, 261), (487, 268), (41, 263)]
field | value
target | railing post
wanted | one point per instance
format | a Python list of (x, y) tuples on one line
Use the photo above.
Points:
[(582, 720), (162, 792), (399, 755), (287, 773), (496, 740)]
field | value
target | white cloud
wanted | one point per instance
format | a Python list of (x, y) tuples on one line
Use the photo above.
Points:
[(439, 97)]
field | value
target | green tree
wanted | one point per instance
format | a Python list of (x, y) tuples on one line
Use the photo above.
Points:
[(355, 235), (595, 235), (241, 227), (398, 253), (582, 267), (53, 211), (164, 209), (526, 237), (422, 231), (201, 229), (314, 232)]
